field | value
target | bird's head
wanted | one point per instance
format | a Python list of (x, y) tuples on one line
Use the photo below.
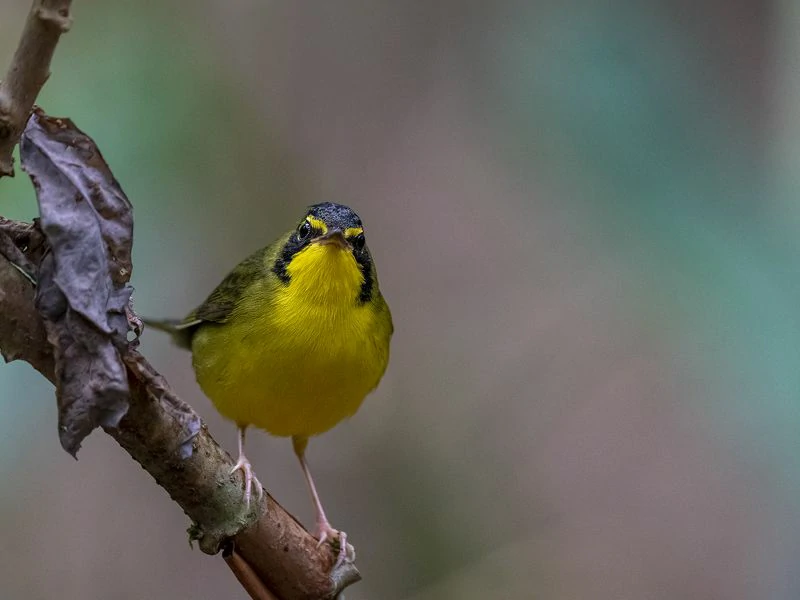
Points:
[(328, 251), (332, 224)]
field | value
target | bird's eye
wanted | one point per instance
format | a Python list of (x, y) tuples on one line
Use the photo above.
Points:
[(304, 230), (359, 241)]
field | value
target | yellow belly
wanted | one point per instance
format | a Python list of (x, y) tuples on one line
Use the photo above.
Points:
[(290, 362)]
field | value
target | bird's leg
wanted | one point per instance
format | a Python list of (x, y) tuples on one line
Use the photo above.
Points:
[(243, 465), (324, 529)]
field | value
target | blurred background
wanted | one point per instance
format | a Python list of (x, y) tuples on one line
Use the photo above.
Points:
[(585, 217)]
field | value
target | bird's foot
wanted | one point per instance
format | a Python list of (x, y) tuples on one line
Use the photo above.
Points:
[(325, 532), (250, 479)]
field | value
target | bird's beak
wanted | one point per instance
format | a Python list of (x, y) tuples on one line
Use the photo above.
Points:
[(334, 237)]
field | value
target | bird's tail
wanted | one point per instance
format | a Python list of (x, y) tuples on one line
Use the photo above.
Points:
[(180, 331)]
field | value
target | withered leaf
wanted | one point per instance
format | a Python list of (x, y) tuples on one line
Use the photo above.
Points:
[(82, 288)]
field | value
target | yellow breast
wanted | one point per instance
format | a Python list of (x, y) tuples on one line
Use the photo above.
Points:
[(296, 358)]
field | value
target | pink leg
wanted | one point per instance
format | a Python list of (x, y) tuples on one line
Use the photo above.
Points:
[(243, 465), (323, 530)]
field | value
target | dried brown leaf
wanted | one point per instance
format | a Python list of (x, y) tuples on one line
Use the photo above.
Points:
[(82, 288)]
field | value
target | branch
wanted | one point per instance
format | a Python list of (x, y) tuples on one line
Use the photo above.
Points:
[(28, 71), (268, 545), (266, 548)]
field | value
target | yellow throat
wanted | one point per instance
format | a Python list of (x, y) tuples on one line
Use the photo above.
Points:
[(325, 275)]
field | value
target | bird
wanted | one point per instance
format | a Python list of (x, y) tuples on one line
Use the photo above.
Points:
[(293, 339)]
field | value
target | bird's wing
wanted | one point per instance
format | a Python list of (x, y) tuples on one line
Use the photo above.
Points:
[(220, 303)]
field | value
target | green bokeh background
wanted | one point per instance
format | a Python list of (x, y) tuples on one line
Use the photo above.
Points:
[(585, 220)]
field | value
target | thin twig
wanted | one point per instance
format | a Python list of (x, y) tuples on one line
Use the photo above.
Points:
[(16, 257), (246, 576), (28, 72)]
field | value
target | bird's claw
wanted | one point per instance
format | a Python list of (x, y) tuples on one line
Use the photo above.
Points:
[(249, 477), (336, 538)]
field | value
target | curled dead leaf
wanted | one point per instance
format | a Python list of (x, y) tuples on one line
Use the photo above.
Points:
[(83, 290)]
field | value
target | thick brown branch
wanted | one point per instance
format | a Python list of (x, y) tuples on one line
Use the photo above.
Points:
[(28, 71), (22, 334), (275, 547)]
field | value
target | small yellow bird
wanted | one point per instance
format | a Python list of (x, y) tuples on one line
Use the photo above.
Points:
[(293, 338)]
